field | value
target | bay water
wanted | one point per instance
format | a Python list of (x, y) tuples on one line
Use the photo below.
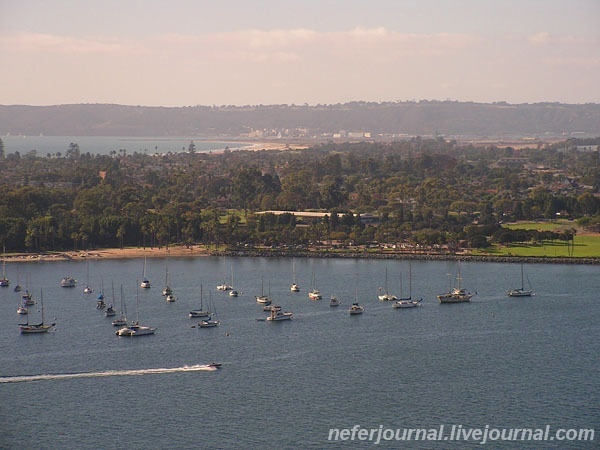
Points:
[(497, 361)]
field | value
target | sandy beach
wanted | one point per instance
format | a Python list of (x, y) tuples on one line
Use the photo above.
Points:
[(112, 253)]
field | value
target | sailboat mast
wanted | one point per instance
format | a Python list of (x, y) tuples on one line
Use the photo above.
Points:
[(42, 303)]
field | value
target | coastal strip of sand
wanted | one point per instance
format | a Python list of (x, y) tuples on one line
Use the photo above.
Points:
[(112, 253)]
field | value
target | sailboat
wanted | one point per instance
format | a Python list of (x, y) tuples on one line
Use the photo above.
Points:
[(4, 282), (386, 296), (27, 328), (111, 311), (22, 308), (122, 319), (224, 286), (355, 308), (521, 292), (294, 287), (167, 291), (456, 294), (334, 301), (407, 302), (209, 322), (68, 282), (135, 329), (17, 288), (26, 297), (232, 292), (87, 289), (314, 294), (145, 281), (200, 313), (262, 298)]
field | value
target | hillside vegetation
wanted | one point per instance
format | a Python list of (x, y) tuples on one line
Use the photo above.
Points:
[(419, 195)]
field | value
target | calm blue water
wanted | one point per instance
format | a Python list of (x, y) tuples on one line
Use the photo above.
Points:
[(496, 361), (103, 145)]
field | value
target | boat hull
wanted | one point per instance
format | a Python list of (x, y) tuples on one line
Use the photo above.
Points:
[(32, 329)]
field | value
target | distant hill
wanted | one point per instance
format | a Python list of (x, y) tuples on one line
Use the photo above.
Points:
[(377, 119)]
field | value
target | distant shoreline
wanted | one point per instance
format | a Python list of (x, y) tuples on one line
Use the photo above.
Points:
[(195, 251)]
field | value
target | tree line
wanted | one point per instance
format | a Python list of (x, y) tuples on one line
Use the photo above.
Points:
[(427, 192)]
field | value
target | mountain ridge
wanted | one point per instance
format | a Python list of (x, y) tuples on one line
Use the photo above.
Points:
[(373, 119)]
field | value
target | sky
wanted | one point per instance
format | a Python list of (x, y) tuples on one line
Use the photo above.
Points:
[(264, 52)]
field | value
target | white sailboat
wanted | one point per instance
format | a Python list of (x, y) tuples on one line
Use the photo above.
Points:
[(407, 302), (42, 327), (135, 329), (314, 294), (521, 292), (4, 282), (87, 289), (110, 311), (145, 281), (386, 296), (212, 320), (232, 292), (200, 313), (168, 291), (456, 294), (26, 297), (122, 319), (224, 286), (355, 308), (294, 287), (262, 298)]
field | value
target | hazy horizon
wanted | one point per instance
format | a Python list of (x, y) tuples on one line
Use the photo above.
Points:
[(188, 52)]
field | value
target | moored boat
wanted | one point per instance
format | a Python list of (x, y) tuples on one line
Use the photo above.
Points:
[(68, 282), (356, 309)]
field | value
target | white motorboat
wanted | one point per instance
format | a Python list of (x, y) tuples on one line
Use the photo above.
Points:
[(277, 314), (334, 301), (135, 329), (208, 323), (68, 282)]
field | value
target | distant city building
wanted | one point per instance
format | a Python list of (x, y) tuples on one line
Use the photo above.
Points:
[(512, 161), (587, 148)]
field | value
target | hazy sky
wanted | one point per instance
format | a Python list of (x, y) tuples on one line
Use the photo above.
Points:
[(241, 52)]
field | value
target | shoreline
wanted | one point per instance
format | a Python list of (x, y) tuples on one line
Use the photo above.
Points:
[(199, 251)]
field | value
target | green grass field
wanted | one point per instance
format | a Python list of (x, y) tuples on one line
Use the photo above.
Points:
[(585, 246)]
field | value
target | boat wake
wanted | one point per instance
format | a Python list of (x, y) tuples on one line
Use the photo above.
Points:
[(108, 373)]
